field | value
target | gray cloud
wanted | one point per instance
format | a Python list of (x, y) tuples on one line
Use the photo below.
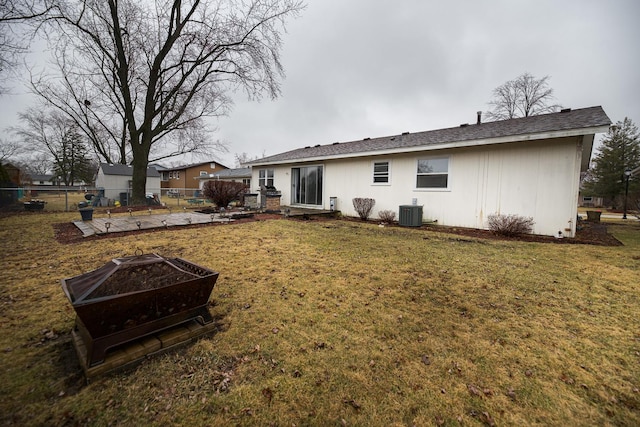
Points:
[(370, 68), (363, 68)]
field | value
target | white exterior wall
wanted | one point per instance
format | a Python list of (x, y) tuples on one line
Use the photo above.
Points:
[(115, 184), (536, 179)]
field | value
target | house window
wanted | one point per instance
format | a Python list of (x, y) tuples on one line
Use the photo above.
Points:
[(381, 172), (433, 173), (246, 182), (204, 173), (265, 177)]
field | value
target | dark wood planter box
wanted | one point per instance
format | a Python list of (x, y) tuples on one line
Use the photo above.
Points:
[(34, 205), (133, 297)]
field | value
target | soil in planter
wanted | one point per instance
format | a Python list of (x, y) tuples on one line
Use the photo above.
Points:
[(139, 278)]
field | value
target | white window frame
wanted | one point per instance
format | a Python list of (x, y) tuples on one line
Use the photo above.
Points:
[(373, 172), (264, 180), (448, 174)]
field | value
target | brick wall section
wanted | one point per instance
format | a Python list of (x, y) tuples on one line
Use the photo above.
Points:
[(273, 203)]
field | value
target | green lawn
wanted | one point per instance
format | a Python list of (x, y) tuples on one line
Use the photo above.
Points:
[(339, 323)]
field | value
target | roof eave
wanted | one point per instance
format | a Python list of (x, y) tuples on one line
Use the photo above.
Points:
[(448, 145), (587, 149)]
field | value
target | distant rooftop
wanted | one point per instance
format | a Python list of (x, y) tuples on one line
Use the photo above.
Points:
[(125, 170), (193, 165), (39, 177), (229, 173)]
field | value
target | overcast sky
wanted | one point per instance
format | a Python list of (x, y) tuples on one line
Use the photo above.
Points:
[(368, 68)]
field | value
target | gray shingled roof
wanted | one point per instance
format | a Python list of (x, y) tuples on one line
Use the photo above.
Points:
[(230, 173), (125, 170), (192, 165), (35, 177), (568, 120)]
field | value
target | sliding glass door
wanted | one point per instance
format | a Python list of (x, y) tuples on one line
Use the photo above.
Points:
[(306, 185)]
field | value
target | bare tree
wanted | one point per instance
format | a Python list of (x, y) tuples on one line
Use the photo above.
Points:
[(242, 158), (104, 126), (153, 71), (48, 133), (522, 97), (9, 149), (39, 163), (13, 41)]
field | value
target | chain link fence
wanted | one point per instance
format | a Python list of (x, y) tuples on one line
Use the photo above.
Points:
[(54, 198)]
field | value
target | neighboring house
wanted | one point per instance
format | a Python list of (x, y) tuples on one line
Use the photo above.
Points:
[(187, 178), (590, 202), (242, 175), (115, 179), (43, 180), (49, 180), (527, 166)]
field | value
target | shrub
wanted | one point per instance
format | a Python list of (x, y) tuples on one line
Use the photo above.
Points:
[(363, 207), (223, 192), (387, 216), (510, 225)]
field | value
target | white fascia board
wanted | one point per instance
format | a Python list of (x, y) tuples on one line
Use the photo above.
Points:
[(587, 148), (447, 145)]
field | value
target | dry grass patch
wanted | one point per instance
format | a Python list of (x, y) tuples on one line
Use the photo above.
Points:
[(335, 322)]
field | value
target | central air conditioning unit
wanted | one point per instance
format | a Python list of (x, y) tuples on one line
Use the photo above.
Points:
[(410, 216)]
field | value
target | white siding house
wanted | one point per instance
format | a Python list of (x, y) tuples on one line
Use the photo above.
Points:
[(526, 166), (115, 179)]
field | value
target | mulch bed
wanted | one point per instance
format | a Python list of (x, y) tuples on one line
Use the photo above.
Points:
[(589, 233)]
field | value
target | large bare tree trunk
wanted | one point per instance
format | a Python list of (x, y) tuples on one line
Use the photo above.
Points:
[(139, 180)]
